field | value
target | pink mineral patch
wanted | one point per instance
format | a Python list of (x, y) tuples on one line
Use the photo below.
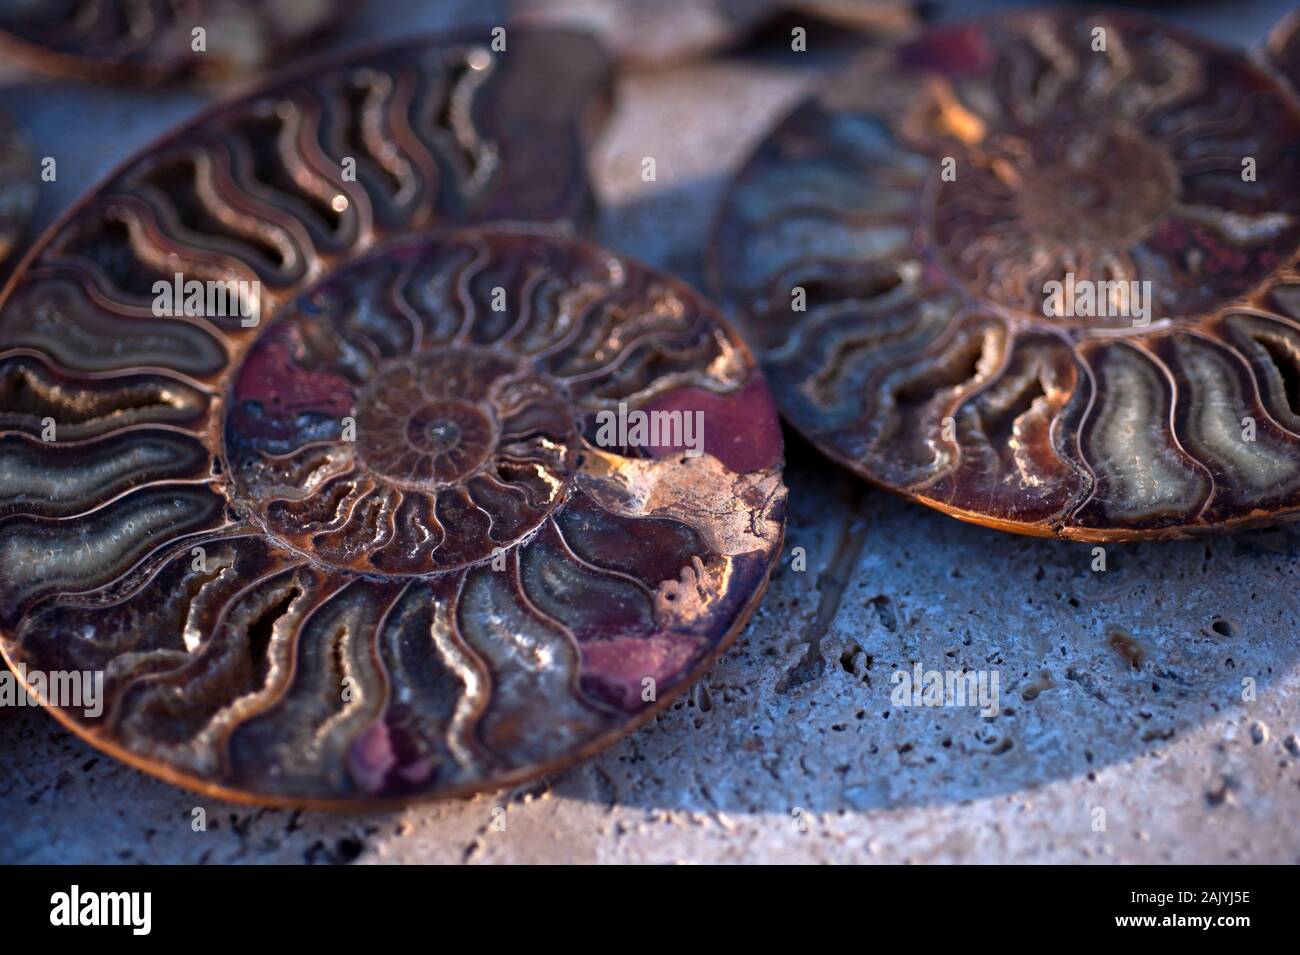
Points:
[(371, 757), (384, 756), (741, 430), (615, 669), (272, 377)]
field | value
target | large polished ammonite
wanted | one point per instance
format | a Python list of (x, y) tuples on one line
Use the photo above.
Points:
[(334, 530), (1037, 272), (150, 41), (403, 540)]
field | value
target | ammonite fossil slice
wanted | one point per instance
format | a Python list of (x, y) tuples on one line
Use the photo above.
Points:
[(17, 187), (468, 509), (1039, 273), (151, 41), (280, 185)]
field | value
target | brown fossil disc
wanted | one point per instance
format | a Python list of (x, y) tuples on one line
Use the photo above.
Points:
[(17, 187), (388, 544), (893, 248), (134, 545), (152, 41)]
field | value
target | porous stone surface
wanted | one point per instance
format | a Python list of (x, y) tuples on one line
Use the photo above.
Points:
[(1149, 712)]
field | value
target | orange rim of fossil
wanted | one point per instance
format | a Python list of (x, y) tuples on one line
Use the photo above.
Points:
[(946, 207)]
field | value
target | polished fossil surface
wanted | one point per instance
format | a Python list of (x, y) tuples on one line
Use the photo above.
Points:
[(1036, 280), (379, 549), (453, 587)]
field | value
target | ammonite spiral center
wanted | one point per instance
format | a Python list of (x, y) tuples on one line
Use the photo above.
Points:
[(420, 443), (414, 463), (1084, 193), (1058, 203)]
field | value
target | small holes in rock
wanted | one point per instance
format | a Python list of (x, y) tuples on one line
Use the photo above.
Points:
[(1223, 627)]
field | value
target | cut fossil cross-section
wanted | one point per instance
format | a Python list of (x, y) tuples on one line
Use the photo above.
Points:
[(1038, 272), (389, 544), (279, 185), (453, 588)]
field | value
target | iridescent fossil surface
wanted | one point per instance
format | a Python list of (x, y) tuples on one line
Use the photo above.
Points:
[(376, 548), (150, 41), (282, 184), (17, 187), (1038, 272), (257, 644)]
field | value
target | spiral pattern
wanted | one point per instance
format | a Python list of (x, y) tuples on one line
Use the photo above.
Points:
[(901, 245), (387, 555), (467, 593), (373, 453)]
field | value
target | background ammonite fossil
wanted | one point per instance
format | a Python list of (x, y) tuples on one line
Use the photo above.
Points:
[(151, 41), (379, 549), (920, 205)]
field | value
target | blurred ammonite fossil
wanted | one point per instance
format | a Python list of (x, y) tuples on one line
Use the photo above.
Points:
[(895, 243), (152, 41)]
